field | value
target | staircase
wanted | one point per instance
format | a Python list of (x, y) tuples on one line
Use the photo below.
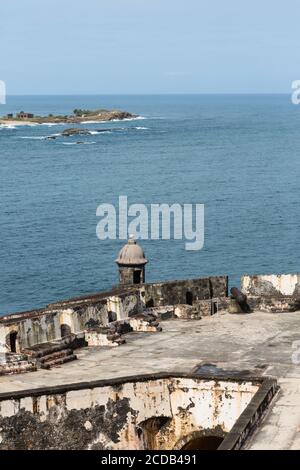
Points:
[(50, 355), (16, 364)]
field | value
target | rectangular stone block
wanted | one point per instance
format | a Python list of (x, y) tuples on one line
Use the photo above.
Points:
[(274, 304), (204, 307), (185, 291), (271, 285)]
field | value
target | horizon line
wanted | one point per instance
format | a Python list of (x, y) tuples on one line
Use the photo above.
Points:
[(150, 94)]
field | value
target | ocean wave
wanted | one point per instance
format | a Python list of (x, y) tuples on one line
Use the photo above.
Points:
[(78, 143), (138, 118), (27, 124), (118, 129), (39, 137), (100, 132), (7, 126), (33, 137), (52, 124)]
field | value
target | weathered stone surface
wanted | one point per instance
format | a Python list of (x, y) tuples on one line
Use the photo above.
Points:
[(273, 285), (261, 343), (144, 322), (80, 314), (74, 316), (16, 364), (162, 313), (203, 307), (103, 337), (220, 303), (185, 291), (185, 311), (274, 304), (120, 416)]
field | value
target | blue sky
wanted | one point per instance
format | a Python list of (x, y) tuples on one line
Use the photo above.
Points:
[(149, 46)]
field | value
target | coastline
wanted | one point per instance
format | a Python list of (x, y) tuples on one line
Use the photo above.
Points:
[(8, 123), (84, 118)]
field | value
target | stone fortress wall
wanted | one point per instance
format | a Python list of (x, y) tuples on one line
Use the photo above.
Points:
[(100, 310), (164, 411), (192, 298), (161, 412), (272, 292)]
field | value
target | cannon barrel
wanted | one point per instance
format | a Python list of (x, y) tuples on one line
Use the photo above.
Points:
[(240, 298), (238, 295)]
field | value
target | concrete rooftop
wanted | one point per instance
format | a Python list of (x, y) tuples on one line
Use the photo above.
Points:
[(259, 342)]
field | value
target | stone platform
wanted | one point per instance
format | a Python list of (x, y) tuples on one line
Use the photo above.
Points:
[(262, 343)]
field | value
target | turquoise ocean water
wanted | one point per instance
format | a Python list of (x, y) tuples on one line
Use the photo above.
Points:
[(239, 155)]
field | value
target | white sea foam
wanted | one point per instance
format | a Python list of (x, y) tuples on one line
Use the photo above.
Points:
[(28, 124), (17, 124), (142, 128), (40, 137), (52, 124), (138, 118), (101, 132), (33, 137), (76, 143)]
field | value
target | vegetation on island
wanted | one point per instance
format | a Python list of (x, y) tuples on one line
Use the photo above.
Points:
[(88, 112), (78, 116)]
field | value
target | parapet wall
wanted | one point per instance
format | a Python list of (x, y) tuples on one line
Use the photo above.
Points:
[(272, 285), (149, 412), (73, 316), (78, 314), (272, 293), (185, 291)]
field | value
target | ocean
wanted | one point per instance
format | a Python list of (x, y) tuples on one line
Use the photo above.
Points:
[(239, 155)]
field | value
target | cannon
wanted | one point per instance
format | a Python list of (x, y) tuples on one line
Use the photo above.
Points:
[(240, 298)]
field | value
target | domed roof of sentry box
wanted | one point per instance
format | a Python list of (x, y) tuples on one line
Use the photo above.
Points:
[(131, 254)]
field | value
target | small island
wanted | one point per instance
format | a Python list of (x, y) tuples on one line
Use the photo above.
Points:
[(78, 116)]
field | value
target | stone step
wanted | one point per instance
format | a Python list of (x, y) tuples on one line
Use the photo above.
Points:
[(7, 358), (18, 363), (58, 362), (46, 350), (55, 355), (18, 369)]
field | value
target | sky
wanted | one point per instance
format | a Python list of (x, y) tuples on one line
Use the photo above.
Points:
[(149, 46)]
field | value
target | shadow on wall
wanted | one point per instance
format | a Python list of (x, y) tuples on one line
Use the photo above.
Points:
[(157, 431), (65, 330), (150, 429), (11, 341), (189, 298), (203, 443)]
